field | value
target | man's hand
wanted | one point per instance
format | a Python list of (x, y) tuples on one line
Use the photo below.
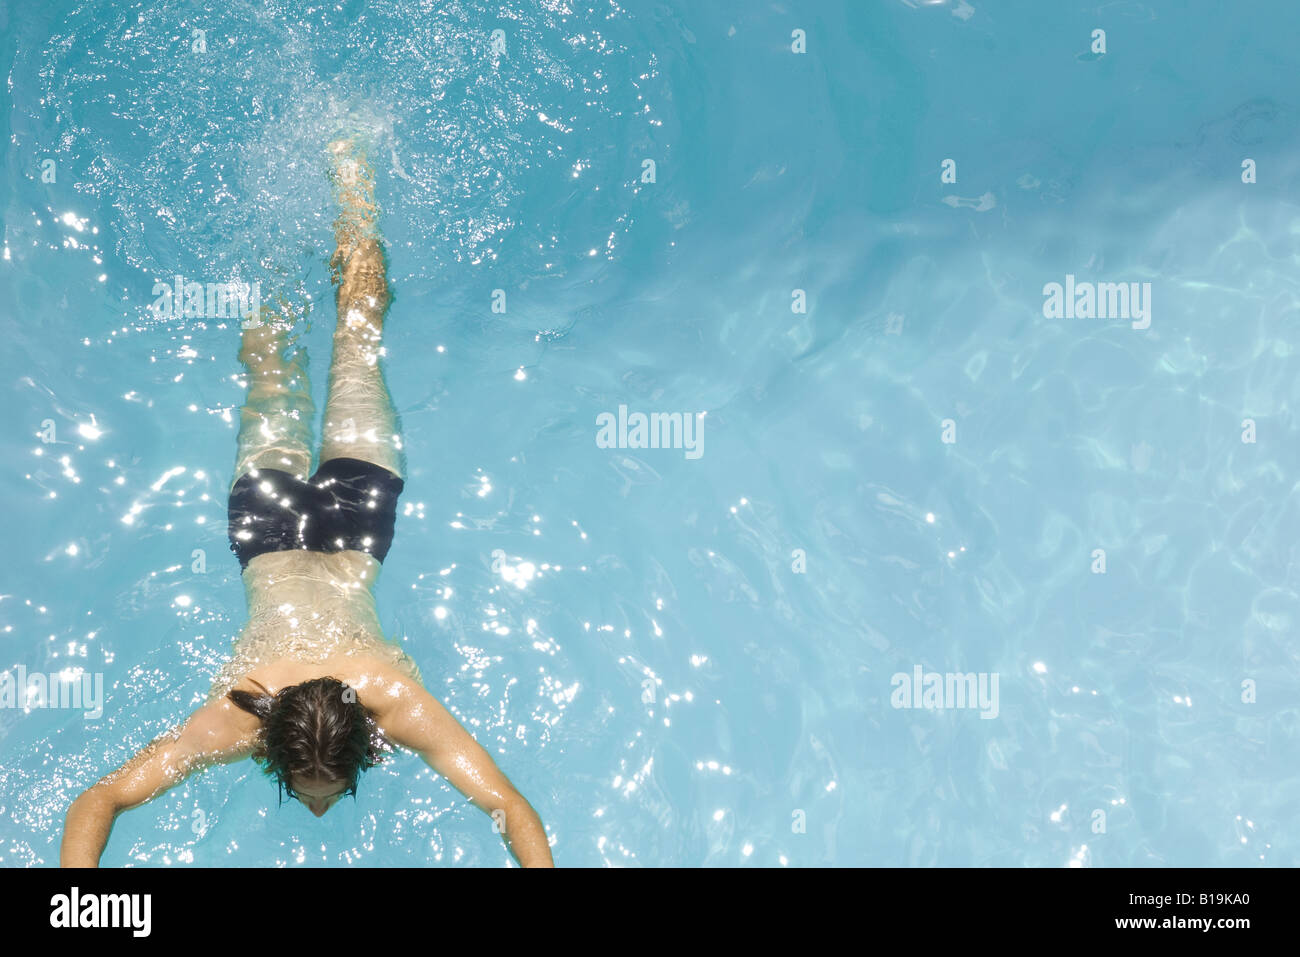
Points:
[(86, 829), (413, 718), (216, 732)]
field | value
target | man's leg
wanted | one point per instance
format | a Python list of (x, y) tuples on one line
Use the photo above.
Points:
[(275, 422), (360, 422)]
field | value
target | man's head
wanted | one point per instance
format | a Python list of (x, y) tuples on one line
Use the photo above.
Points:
[(316, 739)]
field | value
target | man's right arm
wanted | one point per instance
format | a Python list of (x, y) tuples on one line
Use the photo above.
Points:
[(218, 732)]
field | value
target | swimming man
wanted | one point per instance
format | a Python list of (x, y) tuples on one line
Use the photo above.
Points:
[(313, 690)]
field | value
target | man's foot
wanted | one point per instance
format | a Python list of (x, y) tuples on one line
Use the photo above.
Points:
[(357, 266), (265, 337), (348, 161), (261, 347), (354, 190)]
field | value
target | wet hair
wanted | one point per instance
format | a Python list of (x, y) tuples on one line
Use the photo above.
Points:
[(315, 729)]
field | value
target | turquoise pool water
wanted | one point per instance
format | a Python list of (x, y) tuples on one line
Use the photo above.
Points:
[(688, 660)]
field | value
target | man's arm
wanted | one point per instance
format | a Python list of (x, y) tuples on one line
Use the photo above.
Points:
[(217, 732), (413, 718)]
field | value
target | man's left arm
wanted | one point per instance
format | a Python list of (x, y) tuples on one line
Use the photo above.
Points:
[(413, 718)]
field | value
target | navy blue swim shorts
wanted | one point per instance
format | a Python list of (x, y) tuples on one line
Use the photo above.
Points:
[(348, 505)]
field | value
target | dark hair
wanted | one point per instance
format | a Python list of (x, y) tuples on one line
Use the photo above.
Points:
[(315, 729)]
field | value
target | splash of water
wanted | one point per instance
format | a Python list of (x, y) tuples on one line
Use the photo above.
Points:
[(206, 132)]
